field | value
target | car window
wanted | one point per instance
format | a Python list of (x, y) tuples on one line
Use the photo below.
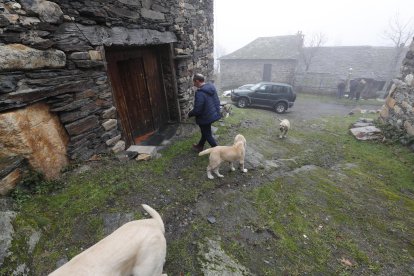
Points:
[(247, 86), (266, 88), (255, 87), (277, 89)]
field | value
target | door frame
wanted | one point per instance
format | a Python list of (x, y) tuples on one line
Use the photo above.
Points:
[(112, 56)]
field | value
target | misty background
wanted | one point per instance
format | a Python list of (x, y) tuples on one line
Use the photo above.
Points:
[(342, 23)]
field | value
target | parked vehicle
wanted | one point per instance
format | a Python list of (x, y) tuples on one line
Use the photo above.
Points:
[(279, 96), (227, 93)]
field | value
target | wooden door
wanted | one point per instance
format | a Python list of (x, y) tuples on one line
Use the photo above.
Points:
[(138, 90), (136, 98)]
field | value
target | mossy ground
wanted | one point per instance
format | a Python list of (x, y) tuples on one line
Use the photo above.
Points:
[(333, 206)]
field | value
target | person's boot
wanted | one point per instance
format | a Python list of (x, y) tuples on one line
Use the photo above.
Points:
[(197, 148)]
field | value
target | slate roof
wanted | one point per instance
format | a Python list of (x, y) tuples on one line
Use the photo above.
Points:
[(275, 47)]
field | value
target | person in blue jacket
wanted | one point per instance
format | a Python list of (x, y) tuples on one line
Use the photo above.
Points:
[(206, 110)]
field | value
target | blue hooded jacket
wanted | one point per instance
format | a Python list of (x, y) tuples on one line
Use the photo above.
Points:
[(206, 105)]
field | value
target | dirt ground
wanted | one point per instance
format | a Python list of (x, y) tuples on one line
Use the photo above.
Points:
[(307, 205), (228, 209)]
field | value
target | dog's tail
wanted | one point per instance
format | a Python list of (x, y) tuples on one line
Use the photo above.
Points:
[(154, 214), (204, 152), (279, 119)]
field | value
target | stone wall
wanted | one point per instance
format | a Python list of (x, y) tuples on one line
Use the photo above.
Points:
[(53, 52), (238, 72), (398, 111)]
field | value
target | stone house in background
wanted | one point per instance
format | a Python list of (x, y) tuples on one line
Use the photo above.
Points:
[(281, 59), (377, 65), (264, 59), (79, 78)]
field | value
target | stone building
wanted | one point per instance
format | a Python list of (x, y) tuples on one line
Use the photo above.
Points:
[(282, 59), (398, 111), (78, 78), (264, 59), (377, 65)]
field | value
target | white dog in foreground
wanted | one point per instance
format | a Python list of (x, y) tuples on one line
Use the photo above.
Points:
[(284, 127), (234, 153), (136, 248)]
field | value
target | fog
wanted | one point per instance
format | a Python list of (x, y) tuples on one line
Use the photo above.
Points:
[(343, 23)]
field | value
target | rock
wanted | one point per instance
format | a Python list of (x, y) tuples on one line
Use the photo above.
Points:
[(215, 261), (33, 240), (113, 140), (11, 180), (409, 79), (143, 157), (122, 156), (82, 125), (6, 233), (109, 113), (21, 57), (49, 12), (125, 156), (82, 169), (152, 15), (211, 219), (37, 135), (366, 133), (119, 146), (149, 150), (110, 124)]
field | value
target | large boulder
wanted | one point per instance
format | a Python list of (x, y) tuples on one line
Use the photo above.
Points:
[(37, 134)]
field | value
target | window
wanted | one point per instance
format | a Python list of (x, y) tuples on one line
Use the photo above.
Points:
[(265, 88), (279, 89)]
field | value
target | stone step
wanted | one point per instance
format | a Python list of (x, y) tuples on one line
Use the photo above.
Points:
[(150, 150)]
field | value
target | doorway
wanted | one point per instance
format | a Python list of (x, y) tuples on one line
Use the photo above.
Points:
[(138, 89), (267, 72)]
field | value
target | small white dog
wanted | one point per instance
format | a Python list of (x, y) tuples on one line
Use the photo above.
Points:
[(225, 110), (231, 154), (284, 127), (136, 248)]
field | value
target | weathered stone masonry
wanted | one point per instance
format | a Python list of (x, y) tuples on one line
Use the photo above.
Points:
[(398, 110), (52, 56)]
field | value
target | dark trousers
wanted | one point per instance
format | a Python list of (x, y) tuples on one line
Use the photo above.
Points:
[(206, 135), (341, 93), (357, 95)]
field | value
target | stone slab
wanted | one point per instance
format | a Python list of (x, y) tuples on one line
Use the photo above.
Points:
[(150, 150), (366, 133)]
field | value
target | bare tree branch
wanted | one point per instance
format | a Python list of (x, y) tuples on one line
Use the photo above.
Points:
[(312, 46), (399, 32)]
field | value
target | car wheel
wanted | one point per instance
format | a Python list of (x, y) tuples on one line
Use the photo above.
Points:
[(242, 102), (280, 107)]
